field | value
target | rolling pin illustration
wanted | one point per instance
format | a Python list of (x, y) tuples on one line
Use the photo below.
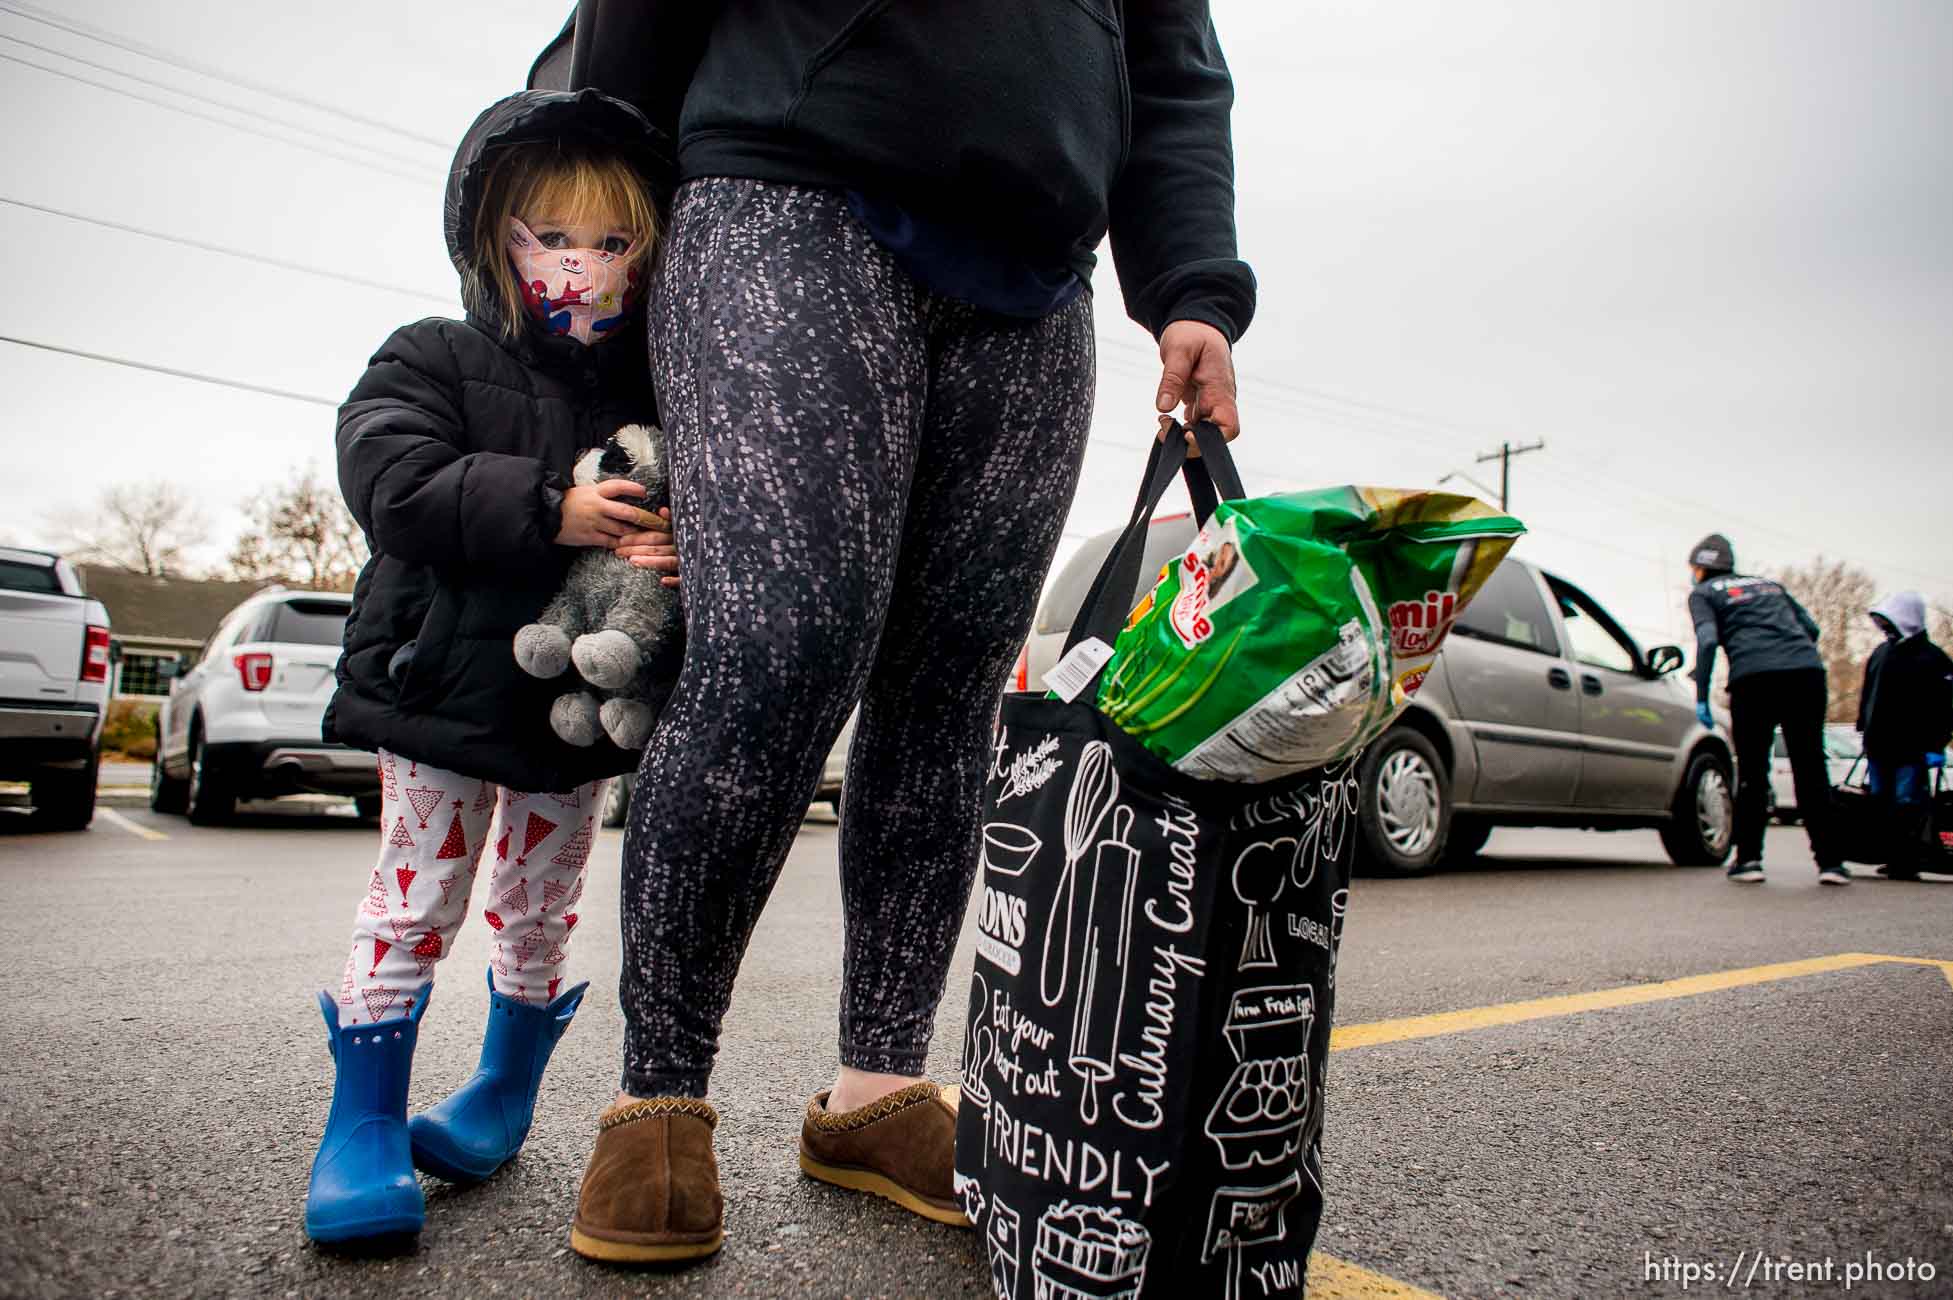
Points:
[(1108, 941), (1094, 789)]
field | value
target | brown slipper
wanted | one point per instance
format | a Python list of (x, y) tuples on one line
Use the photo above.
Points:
[(902, 1147), (651, 1190)]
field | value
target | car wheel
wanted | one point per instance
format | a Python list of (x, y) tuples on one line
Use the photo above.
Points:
[(1467, 838), (617, 802), (1405, 805), (1699, 832), (167, 794), (211, 801), (368, 806), (65, 800)]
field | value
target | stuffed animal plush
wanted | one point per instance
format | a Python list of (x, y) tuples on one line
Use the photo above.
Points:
[(616, 622)]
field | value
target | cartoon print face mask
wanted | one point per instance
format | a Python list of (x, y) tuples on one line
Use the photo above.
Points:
[(582, 292)]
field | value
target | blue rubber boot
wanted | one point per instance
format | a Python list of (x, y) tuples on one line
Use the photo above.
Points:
[(476, 1131), (363, 1181)]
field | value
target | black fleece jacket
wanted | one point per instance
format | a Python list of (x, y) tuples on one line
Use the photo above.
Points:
[(1043, 123)]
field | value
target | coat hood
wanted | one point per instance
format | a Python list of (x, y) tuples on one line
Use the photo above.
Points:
[(531, 115), (1905, 611)]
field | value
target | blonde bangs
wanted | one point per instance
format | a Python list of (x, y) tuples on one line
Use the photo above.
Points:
[(545, 182)]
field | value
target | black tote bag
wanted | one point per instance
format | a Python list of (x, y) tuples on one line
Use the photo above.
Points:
[(1150, 1011)]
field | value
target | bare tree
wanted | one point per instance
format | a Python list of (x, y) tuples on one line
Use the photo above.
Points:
[(1839, 596), (143, 527), (301, 534)]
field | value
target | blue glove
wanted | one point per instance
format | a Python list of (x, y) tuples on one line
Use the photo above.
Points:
[(1707, 718), (1936, 760)]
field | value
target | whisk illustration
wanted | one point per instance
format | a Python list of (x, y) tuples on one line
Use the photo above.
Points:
[(1094, 789)]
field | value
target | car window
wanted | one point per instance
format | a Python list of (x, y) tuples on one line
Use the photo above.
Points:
[(308, 622), (1167, 537), (257, 627), (40, 578), (1596, 642), (225, 634), (1508, 609)]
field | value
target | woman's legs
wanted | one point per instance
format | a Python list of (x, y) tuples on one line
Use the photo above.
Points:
[(1010, 406), (791, 369)]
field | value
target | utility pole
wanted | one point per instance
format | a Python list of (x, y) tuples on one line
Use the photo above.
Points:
[(1504, 456)]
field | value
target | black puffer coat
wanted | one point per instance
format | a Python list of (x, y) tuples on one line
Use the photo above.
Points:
[(455, 449)]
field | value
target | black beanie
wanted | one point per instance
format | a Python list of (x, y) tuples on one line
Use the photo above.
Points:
[(1715, 554)]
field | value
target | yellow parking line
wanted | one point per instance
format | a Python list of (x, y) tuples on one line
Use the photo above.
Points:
[(143, 832), (1338, 1279), (1511, 1013), (1335, 1279), (1946, 967)]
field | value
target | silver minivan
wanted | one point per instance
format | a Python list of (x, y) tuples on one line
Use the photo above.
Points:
[(1541, 710)]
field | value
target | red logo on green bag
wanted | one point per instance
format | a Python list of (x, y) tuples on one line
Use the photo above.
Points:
[(1417, 626), (1188, 617)]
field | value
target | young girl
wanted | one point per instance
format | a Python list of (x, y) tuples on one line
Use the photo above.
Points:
[(455, 454)]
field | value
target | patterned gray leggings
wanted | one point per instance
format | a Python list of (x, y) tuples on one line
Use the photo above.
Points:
[(868, 483)]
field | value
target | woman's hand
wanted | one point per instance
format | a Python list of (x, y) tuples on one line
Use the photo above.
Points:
[(601, 514), (653, 548), (1197, 372)]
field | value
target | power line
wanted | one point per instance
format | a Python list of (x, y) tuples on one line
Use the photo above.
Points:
[(1260, 382), (1674, 506), (201, 98), (198, 376), (156, 54), (1321, 404), (227, 251), (208, 117)]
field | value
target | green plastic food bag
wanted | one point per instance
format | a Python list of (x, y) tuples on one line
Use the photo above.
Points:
[(1296, 627)]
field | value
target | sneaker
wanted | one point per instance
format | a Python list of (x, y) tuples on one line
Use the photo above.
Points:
[(1747, 873), (1839, 875), (1899, 873)]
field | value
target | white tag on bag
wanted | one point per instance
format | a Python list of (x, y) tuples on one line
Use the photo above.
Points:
[(1076, 670)]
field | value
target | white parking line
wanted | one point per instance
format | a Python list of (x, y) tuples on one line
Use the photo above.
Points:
[(140, 831)]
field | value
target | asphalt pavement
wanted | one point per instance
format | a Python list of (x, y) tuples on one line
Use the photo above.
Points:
[(1595, 1119)]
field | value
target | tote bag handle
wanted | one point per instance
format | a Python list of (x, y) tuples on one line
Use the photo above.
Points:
[(1210, 479)]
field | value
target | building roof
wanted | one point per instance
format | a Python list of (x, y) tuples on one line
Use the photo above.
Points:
[(182, 609)]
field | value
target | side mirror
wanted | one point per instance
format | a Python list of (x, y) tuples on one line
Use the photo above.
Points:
[(1664, 659)]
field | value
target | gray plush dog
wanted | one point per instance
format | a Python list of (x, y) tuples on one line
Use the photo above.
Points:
[(611, 619)]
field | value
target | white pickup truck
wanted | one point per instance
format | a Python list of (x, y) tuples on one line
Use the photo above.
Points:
[(54, 684)]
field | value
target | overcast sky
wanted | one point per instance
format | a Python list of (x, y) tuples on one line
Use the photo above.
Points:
[(1704, 248)]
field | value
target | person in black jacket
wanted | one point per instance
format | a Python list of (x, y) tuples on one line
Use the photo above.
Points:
[(1905, 713), (873, 342), (1776, 679), (455, 454)]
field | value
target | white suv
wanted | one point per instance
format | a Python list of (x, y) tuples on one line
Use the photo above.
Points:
[(243, 722)]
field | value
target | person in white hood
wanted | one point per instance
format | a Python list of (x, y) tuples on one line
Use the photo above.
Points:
[(1905, 713)]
